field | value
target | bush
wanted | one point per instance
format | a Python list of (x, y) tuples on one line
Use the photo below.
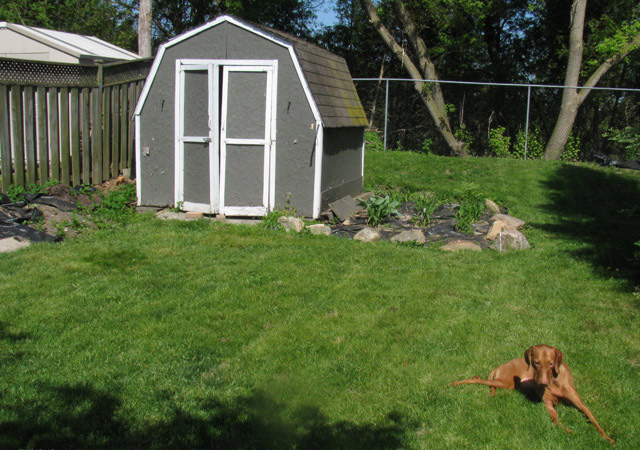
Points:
[(571, 151), (499, 144), (629, 138), (535, 144), (380, 209), (373, 142)]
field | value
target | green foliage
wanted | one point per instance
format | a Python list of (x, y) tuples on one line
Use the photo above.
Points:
[(373, 142), (16, 192), (499, 144), (571, 151), (426, 206), (629, 138), (380, 209), (427, 144), (464, 135), (471, 206), (535, 144), (270, 221), (115, 208)]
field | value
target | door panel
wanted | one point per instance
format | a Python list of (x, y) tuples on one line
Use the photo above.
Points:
[(246, 139), (196, 103), (197, 177), (246, 105), (244, 184)]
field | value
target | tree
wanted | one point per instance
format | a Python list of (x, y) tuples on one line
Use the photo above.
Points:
[(422, 68), (615, 48), (144, 29)]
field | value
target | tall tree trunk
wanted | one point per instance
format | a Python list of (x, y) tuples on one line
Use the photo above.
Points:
[(377, 92), (431, 95), (144, 28), (572, 97)]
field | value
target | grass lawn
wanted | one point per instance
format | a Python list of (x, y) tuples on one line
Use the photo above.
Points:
[(201, 335)]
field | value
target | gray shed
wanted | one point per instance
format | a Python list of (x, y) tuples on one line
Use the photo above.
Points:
[(239, 119)]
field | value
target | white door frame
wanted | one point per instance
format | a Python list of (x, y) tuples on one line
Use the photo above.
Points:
[(217, 133)]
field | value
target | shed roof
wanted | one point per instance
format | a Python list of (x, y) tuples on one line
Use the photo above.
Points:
[(79, 46), (326, 74), (329, 80)]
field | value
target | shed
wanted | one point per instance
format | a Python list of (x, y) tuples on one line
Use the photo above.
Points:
[(239, 119), (39, 44)]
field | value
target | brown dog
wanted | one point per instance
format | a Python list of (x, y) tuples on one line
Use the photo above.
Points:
[(541, 374)]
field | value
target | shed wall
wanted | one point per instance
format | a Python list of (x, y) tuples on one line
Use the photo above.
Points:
[(15, 45), (341, 164), (295, 135)]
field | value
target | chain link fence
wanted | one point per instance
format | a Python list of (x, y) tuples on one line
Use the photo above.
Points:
[(496, 119)]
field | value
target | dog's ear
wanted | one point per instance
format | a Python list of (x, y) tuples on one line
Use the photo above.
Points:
[(528, 355), (557, 361)]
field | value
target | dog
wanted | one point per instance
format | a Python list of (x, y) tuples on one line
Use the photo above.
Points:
[(540, 375)]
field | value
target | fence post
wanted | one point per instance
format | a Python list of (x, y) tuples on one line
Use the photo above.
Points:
[(526, 124), (386, 112)]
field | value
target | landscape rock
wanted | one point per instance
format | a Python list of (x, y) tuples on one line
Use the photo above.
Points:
[(512, 221), (165, 214), (511, 240), (460, 244), (195, 215), (496, 228), (367, 234), (291, 223), (344, 207), (492, 206), (414, 235), (319, 229), (11, 244)]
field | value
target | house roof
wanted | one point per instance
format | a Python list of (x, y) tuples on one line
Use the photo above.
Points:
[(79, 46), (326, 76)]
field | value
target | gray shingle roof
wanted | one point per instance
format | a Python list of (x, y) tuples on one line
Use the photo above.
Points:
[(329, 80)]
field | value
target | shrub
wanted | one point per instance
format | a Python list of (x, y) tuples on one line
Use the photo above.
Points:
[(571, 151), (629, 138), (535, 144), (499, 144), (373, 142), (380, 209)]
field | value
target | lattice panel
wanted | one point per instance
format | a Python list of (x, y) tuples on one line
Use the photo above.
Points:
[(32, 73), (124, 72)]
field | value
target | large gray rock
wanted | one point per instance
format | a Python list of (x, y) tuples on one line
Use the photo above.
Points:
[(512, 221), (414, 235), (492, 206), (367, 234), (11, 244), (291, 223), (319, 229), (498, 227), (511, 240)]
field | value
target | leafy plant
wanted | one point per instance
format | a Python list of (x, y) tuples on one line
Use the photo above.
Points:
[(426, 206), (426, 145), (270, 221), (629, 138), (499, 144), (380, 209), (373, 141), (534, 141), (572, 149), (471, 206), (115, 207)]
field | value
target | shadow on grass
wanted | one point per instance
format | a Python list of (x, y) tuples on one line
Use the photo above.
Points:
[(83, 417), (600, 211)]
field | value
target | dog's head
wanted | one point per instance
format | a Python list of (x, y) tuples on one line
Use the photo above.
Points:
[(545, 361)]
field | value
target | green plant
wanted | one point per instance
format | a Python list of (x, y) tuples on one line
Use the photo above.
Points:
[(571, 151), (426, 145), (373, 141), (464, 135), (535, 144), (499, 144), (115, 208), (380, 209), (270, 221), (471, 206), (426, 206), (629, 138)]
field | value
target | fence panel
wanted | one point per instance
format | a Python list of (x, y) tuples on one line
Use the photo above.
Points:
[(496, 119), (66, 122)]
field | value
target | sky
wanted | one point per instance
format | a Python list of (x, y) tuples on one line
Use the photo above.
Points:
[(326, 14)]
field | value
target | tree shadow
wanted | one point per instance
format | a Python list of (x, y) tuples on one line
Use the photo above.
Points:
[(84, 417), (600, 211)]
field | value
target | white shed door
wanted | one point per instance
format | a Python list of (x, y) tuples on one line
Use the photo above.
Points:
[(225, 139)]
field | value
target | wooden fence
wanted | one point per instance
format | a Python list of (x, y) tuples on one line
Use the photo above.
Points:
[(67, 122)]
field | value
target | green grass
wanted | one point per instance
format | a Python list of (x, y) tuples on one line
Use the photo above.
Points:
[(200, 335)]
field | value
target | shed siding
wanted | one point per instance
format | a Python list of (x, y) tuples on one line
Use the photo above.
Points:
[(295, 137), (157, 131), (341, 164)]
